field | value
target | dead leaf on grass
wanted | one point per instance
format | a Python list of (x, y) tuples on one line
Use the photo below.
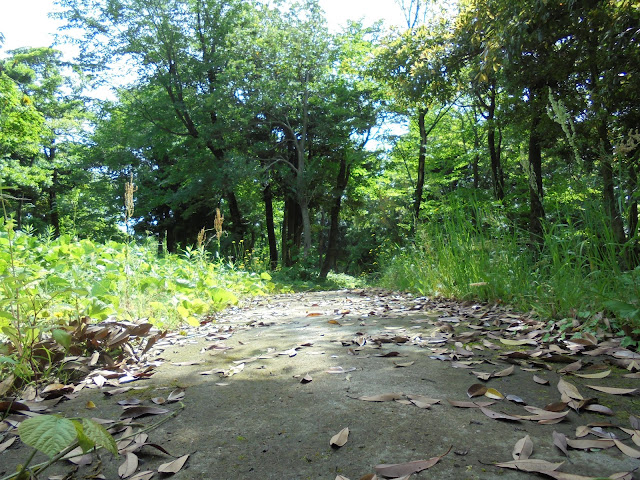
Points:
[(589, 444), (523, 449), (129, 466), (482, 375), (599, 409), (421, 401), (556, 406), (572, 367), (404, 469), (476, 390), (173, 467), (517, 343), (176, 395), (340, 438), (306, 379)]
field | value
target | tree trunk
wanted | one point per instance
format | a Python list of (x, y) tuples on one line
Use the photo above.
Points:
[(54, 215), (238, 226), (422, 113), (537, 214), (608, 186), (331, 257), (497, 174), (267, 196)]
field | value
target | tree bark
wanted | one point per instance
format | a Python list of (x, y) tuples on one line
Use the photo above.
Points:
[(422, 113), (331, 257), (267, 196), (497, 174), (537, 214), (54, 215)]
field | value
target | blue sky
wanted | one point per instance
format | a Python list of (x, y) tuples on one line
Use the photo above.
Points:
[(26, 23)]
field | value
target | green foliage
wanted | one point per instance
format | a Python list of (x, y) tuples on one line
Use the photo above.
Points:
[(475, 252)]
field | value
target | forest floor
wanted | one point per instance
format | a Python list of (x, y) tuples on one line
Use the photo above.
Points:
[(262, 391)]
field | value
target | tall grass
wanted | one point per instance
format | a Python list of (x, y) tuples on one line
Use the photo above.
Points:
[(474, 251)]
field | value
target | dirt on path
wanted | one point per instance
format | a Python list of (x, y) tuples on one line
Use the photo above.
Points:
[(267, 385)]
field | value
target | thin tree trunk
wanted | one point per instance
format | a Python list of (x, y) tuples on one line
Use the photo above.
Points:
[(537, 214), (331, 257), (497, 174), (608, 187), (267, 196), (54, 215), (422, 113)]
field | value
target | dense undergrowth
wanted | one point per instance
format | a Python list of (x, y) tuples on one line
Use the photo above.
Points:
[(574, 279)]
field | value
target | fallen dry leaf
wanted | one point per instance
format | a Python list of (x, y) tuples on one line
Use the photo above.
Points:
[(173, 467), (540, 380), (484, 376), (476, 390), (613, 391), (602, 374), (560, 441), (340, 438), (406, 364), (569, 390), (401, 469), (459, 404), (135, 412), (385, 397), (337, 370), (146, 475), (498, 415), (494, 394), (422, 401), (505, 372), (129, 466), (306, 379), (6, 444), (523, 449), (628, 451), (588, 444), (530, 465)]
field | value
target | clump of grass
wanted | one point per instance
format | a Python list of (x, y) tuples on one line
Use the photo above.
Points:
[(475, 252)]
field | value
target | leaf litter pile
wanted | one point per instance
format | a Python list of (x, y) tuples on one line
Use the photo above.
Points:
[(593, 377)]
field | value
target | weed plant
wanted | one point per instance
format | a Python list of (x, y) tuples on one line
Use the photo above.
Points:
[(474, 252)]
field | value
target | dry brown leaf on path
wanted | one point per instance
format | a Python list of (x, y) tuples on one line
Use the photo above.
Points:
[(459, 404), (602, 374), (176, 395), (498, 415), (146, 475), (338, 370), (306, 379), (505, 372), (614, 391), (628, 451), (402, 469), (175, 466), (588, 444), (572, 367), (7, 444), (406, 364), (129, 466), (560, 441), (340, 438), (530, 465), (476, 390), (421, 401), (599, 409), (522, 449), (385, 397), (569, 390), (135, 412), (518, 343), (484, 376), (540, 380)]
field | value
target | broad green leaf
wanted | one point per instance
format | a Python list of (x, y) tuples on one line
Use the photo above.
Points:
[(62, 337), (84, 442), (99, 435), (49, 434), (265, 276)]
